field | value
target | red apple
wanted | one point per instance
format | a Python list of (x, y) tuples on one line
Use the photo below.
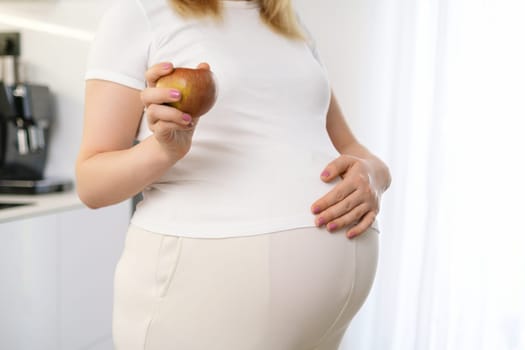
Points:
[(197, 87)]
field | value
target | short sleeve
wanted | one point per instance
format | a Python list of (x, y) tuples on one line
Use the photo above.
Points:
[(119, 52)]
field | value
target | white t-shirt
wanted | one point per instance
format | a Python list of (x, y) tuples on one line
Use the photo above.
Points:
[(256, 157)]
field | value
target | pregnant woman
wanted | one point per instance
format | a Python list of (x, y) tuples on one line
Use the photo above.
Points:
[(257, 226)]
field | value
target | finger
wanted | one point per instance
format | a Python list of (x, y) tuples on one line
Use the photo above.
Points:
[(203, 65), (156, 113), (156, 71), (338, 167), (335, 195), (159, 96), (362, 226), (163, 130), (350, 218), (339, 209), (166, 130)]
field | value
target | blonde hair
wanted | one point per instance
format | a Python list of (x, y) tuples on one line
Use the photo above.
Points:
[(277, 14)]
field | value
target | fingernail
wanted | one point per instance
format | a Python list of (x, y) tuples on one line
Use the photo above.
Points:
[(321, 221), (186, 117), (332, 226), (166, 66), (351, 234), (325, 173), (175, 93), (316, 210)]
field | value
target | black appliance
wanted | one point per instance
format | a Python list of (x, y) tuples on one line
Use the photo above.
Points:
[(26, 115)]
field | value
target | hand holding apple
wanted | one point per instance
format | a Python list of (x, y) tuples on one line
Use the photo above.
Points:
[(171, 122), (197, 88)]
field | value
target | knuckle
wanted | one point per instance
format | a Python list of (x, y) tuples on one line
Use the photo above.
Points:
[(150, 115), (159, 126), (362, 211), (353, 218), (359, 192), (339, 195), (166, 127), (345, 157), (149, 75), (335, 163), (152, 110), (145, 97), (358, 226), (344, 221), (366, 191), (348, 206), (358, 162), (326, 216), (362, 179)]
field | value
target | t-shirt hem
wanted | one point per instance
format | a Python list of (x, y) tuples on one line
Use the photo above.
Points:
[(211, 230), (222, 230), (115, 77)]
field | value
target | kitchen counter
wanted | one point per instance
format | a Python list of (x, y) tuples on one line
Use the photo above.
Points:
[(37, 204)]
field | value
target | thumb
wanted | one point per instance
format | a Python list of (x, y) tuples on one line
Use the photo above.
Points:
[(337, 167)]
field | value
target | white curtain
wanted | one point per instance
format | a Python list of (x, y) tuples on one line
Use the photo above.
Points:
[(452, 267)]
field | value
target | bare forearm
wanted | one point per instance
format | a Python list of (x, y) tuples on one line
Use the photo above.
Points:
[(346, 143), (110, 177)]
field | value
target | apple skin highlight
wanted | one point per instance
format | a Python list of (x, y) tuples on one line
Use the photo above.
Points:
[(197, 87)]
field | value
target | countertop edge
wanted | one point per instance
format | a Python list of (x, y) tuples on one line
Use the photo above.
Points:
[(40, 204)]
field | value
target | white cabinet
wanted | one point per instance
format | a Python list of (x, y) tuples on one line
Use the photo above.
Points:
[(56, 279), (28, 283)]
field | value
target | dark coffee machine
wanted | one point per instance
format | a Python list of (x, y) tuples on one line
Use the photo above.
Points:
[(26, 115)]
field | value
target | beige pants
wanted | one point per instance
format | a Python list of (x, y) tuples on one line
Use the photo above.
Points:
[(290, 290)]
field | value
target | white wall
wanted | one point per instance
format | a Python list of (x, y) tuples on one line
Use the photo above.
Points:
[(354, 38)]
